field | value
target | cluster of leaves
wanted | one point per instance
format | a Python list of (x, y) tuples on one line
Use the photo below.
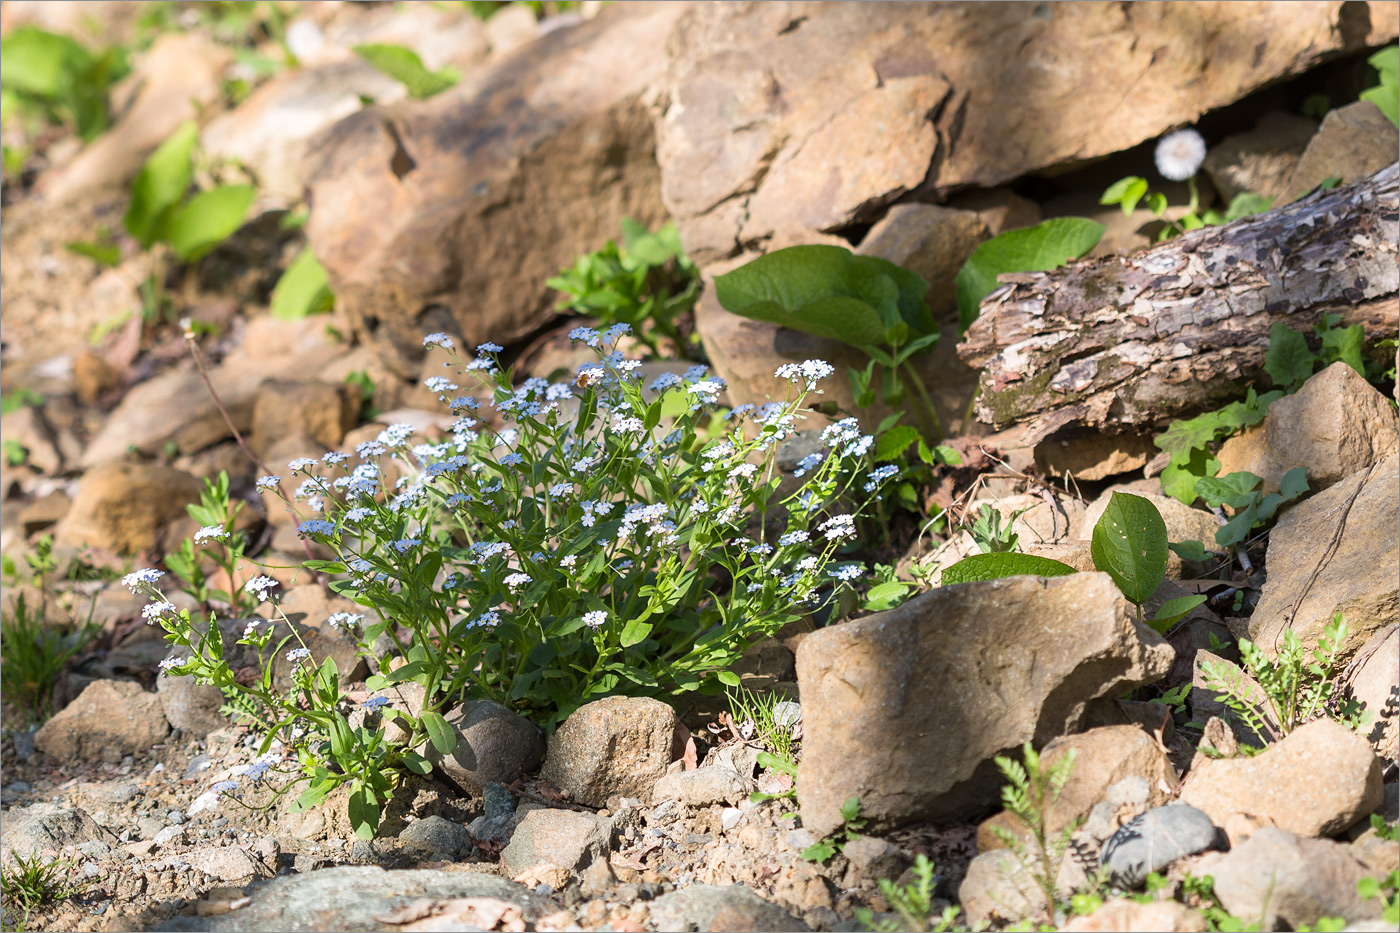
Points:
[(1030, 791), (851, 825), (911, 903), (1292, 690), (1128, 192), (1385, 94), (59, 79), (646, 283), (28, 882), (404, 66)]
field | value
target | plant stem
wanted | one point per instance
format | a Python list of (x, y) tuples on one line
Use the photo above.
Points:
[(931, 415)]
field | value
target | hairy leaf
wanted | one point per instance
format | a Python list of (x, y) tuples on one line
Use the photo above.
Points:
[(1034, 249)]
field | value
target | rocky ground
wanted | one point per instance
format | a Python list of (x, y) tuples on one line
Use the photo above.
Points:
[(634, 815)]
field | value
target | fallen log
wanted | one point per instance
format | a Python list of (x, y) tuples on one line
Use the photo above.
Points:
[(1129, 342)]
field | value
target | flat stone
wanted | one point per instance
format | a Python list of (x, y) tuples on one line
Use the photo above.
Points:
[(1151, 842), (708, 907), (556, 838), (1354, 141), (109, 716), (702, 787), (31, 830)]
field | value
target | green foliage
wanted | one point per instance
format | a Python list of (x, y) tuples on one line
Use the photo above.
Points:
[(1189, 442), (912, 903), (1385, 94), (851, 825), (303, 289), (783, 765), (1129, 543), (30, 881), (1030, 791), (990, 535), (1046, 246), (1003, 564), (888, 591), (1390, 832), (207, 219), (362, 381), (159, 210), (13, 451), (56, 76), (14, 401), (767, 718), (1250, 505), (646, 283), (1295, 690), (1128, 192), (865, 302), (405, 67), (34, 654), (102, 251), (216, 515)]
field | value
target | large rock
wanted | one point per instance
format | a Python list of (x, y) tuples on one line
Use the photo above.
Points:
[(933, 241), (29, 831), (450, 214), (109, 719), (121, 507), (906, 709), (1318, 781), (494, 744), (709, 907), (318, 410), (1261, 159), (618, 746), (793, 117), (1276, 877), (1376, 686), (1336, 552), (1354, 141), (1335, 425)]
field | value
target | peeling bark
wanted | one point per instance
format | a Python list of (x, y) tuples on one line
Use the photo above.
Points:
[(1128, 342)]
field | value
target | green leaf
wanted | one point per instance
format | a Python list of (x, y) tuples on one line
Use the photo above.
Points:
[(1386, 99), (634, 633), (1034, 249), (1294, 483), (1157, 203), (160, 186), (1345, 345), (363, 811), (1129, 543), (1125, 192), (44, 64), (1245, 204), (303, 289), (894, 442), (104, 254), (728, 678), (1173, 611), (1233, 489), (313, 795), (885, 596), (442, 735), (416, 763), (1288, 360), (1004, 564), (850, 810), (774, 763), (1193, 551), (405, 67), (208, 219), (819, 852)]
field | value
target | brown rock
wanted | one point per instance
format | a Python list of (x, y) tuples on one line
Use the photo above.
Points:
[(318, 410), (906, 709), (556, 838), (1335, 425), (44, 512), (110, 717), (615, 746), (998, 888), (1316, 782), (1261, 159), (1376, 686), (1336, 552), (1001, 209), (93, 376), (122, 506), (933, 241), (1276, 877), (494, 744), (1125, 915), (450, 214), (1095, 456), (1354, 141)]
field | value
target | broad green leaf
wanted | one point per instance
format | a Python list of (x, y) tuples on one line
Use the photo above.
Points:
[(416, 763), (363, 811), (208, 219), (1004, 564), (313, 795), (42, 63), (104, 254), (884, 596), (774, 763), (1040, 248), (440, 733), (1193, 551), (634, 633), (1386, 97), (1129, 543), (1294, 483), (1345, 345), (303, 289), (1288, 360), (1173, 611), (894, 442), (1179, 480), (405, 67), (1157, 203), (728, 678), (160, 186), (1125, 192), (1233, 489), (1245, 204)]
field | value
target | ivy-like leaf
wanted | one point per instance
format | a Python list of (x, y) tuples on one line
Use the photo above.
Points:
[(1288, 361)]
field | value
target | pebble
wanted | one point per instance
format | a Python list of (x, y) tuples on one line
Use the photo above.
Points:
[(170, 835), (176, 817), (24, 745), (729, 817), (787, 714), (498, 801), (220, 821), (800, 839), (1151, 842), (197, 764)]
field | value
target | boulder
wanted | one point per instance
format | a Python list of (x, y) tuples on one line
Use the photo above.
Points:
[(108, 720), (29, 831), (933, 241), (1335, 426), (906, 709), (1335, 552), (449, 214), (618, 746), (812, 117), (1354, 141), (1316, 782), (1260, 160), (709, 907), (1125, 915), (494, 744), (319, 410), (122, 507), (1151, 842), (1376, 686), (547, 838), (1276, 877)]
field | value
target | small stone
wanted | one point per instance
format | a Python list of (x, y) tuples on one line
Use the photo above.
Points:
[(170, 835), (871, 859), (176, 817), (498, 801), (729, 817), (438, 835), (1123, 915), (702, 787), (197, 764), (618, 745), (720, 907), (1154, 840), (24, 745), (562, 838)]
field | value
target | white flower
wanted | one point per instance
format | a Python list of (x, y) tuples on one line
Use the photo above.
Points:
[(839, 526), (806, 464), (488, 347), (136, 578), (847, 573), (258, 586), (268, 482), (793, 537), (595, 619), (517, 581), (334, 458), (169, 664), (879, 475), (344, 619), (154, 611), (251, 628), (297, 655), (810, 372), (440, 384), (215, 532), (1180, 154), (440, 340), (301, 463), (568, 561), (843, 431)]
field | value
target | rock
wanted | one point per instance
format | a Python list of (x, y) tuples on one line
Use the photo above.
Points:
[(1354, 141), (812, 117), (1335, 426), (31, 830), (44, 512), (122, 506), (1125, 915), (449, 214), (1375, 687), (933, 241), (1102, 758), (178, 76), (27, 427), (997, 888), (615, 746), (702, 787), (1316, 782), (318, 410), (1095, 456), (870, 859), (556, 838), (1154, 840), (1040, 523), (108, 717), (709, 907), (494, 744), (1001, 209), (1276, 877), (1334, 553), (349, 898), (906, 709), (438, 835), (227, 864), (1260, 160)]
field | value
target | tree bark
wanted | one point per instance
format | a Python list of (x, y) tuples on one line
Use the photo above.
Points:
[(1128, 342)]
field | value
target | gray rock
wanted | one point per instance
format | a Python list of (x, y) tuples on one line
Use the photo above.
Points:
[(227, 864), (498, 801), (702, 787), (1281, 878), (619, 746), (1154, 840), (176, 817), (707, 907), (346, 899), (438, 835), (494, 745), (197, 764), (24, 745), (871, 859), (170, 835), (31, 830), (564, 838)]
